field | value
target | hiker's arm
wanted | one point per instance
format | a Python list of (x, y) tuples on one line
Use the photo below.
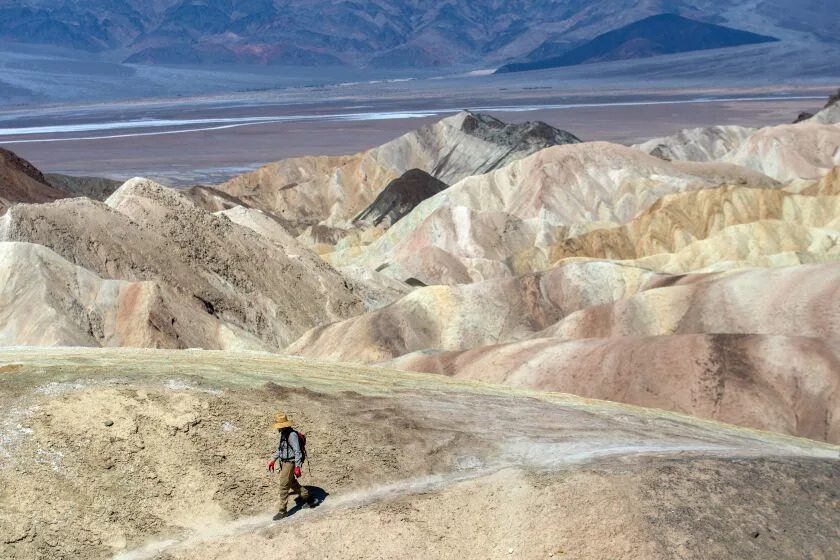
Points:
[(276, 455), (294, 441)]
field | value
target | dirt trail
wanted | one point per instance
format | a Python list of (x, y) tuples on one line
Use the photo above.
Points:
[(241, 532), (577, 454)]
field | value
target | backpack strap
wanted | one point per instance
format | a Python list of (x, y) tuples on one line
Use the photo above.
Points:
[(288, 449)]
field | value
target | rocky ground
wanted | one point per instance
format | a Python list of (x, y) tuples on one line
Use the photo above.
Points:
[(161, 454)]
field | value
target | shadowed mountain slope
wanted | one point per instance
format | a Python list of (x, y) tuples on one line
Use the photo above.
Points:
[(48, 301), (652, 36), (97, 188), (404, 33)]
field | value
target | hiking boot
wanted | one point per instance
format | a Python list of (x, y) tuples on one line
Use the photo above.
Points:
[(278, 516)]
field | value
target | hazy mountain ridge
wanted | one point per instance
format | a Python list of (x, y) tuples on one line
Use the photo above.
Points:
[(376, 32)]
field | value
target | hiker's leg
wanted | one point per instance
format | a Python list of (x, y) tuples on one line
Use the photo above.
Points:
[(287, 480), (301, 490)]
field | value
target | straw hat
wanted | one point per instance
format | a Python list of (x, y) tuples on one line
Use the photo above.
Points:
[(282, 421)]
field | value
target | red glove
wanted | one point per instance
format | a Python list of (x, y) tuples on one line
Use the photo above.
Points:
[(298, 474), (271, 466)]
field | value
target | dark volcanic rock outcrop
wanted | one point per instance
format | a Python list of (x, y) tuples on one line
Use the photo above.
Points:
[(97, 188), (400, 197), (491, 129), (526, 137)]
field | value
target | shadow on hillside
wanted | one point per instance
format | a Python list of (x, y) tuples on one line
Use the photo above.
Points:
[(316, 492)]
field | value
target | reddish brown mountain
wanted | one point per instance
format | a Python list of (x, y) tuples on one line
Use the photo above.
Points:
[(20, 181)]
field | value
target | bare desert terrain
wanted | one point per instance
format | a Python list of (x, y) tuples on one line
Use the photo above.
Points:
[(160, 454)]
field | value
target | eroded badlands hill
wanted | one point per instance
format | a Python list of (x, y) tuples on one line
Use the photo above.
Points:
[(161, 454), (471, 231), (710, 229), (633, 348), (332, 190), (190, 278), (787, 384), (464, 316), (806, 150), (710, 247)]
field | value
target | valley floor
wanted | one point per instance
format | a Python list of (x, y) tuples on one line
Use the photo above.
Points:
[(209, 140)]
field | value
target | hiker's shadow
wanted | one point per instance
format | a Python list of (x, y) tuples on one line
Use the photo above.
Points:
[(316, 492)]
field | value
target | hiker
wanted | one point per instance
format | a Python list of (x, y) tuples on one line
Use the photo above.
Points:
[(291, 452)]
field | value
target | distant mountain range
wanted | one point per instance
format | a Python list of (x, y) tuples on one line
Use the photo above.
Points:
[(652, 36), (390, 33)]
